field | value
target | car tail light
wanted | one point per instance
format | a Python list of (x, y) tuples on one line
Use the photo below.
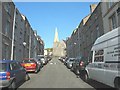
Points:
[(81, 63), (8, 75), (33, 64), (22, 64)]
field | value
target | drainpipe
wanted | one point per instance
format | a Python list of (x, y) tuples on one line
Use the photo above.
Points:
[(13, 35), (30, 44)]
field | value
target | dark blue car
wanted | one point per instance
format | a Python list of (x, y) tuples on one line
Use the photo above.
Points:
[(12, 74)]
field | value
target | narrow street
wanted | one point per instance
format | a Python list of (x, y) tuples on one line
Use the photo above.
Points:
[(54, 75)]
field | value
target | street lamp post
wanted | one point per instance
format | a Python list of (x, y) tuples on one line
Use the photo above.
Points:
[(24, 50), (74, 49), (30, 44)]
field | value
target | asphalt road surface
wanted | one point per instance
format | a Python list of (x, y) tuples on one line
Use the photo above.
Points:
[(55, 75)]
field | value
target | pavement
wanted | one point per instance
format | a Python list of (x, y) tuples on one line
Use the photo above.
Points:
[(55, 75)]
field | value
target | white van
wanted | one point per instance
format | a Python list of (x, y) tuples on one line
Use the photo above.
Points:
[(105, 66)]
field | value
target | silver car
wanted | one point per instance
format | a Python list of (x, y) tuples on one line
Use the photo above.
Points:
[(69, 62)]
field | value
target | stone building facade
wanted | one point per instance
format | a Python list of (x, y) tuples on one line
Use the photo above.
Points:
[(7, 16), (84, 36), (93, 29), (17, 38), (110, 16), (102, 19), (0, 29)]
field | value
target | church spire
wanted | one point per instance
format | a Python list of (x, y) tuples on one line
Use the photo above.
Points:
[(56, 39)]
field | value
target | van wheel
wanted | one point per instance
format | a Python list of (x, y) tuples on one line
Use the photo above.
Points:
[(117, 83), (12, 86)]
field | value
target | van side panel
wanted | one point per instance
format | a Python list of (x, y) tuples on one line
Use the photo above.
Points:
[(112, 52), (106, 71)]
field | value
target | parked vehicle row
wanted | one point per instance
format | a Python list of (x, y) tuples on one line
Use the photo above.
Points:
[(74, 64), (13, 73), (105, 64)]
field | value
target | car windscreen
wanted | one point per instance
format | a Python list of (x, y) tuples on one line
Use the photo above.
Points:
[(3, 67)]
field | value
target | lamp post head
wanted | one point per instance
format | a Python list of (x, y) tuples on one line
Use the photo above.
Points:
[(75, 43), (24, 43)]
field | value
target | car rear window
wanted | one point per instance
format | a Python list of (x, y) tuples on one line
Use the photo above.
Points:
[(3, 67), (28, 61), (41, 57), (71, 59)]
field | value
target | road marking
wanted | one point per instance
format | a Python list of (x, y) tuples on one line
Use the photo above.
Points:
[(51, 63)]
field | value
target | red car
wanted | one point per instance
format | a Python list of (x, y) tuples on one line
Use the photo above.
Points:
[(30, 65)]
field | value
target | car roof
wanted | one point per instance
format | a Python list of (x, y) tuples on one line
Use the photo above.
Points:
[(71, 58), (28, 58), (7, 61)]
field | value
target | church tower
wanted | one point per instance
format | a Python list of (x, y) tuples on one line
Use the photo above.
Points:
[(56, 39), (56, 44), (58, 47)]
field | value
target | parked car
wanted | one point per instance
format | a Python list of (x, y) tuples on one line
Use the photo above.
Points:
[(31, 65), (70, 62), (46, 59), (62, 59), (39, 62), (12, 74), (49, 57), (65, 62), (79, 65), (42, 59)]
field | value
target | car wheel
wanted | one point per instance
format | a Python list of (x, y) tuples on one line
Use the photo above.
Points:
[(36, 71), (72, 69), (85, 77), (12, 86), (27, 77), (77, 72), (117, 83)]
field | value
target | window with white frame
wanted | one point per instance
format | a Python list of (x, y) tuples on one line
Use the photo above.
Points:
[(7, 28), (99, 56), (113, 22), (110, 3), (7, 8), (6, 51), (98, 32)]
